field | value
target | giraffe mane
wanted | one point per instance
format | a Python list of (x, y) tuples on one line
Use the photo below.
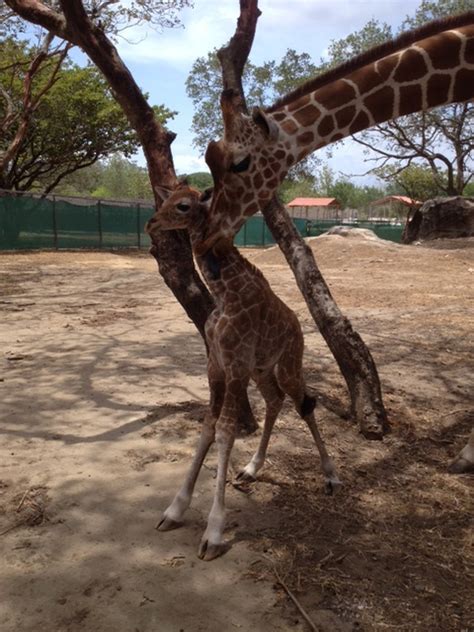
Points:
[(373, 54)]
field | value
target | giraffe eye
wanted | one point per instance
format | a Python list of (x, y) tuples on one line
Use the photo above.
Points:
[(183, 207), (243, 165)]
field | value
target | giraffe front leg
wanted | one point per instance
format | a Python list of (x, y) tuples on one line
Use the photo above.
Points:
[(212, 542), (173, 516)]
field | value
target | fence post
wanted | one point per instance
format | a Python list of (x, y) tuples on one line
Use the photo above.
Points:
[(99, 221), (55, 226), (138, 226)]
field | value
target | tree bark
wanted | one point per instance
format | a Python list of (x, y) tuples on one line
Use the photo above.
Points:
[(352, 355), (171, 249)]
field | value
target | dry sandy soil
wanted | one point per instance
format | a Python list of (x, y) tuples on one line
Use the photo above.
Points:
[(103, 388)]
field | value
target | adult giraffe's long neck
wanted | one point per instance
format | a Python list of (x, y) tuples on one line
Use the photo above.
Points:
[(435, 71)]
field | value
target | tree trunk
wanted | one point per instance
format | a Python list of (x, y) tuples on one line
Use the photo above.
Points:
[(348, 348), (171, 249)]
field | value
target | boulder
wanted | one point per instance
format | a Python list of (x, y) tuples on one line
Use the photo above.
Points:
[(441, 218)]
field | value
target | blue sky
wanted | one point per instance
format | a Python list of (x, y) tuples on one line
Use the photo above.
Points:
[(160, 62)]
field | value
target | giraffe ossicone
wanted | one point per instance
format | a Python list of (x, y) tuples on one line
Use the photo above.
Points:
[(251, 334), (406, 76)]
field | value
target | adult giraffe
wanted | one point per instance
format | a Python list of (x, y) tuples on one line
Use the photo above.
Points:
[(424, 68)]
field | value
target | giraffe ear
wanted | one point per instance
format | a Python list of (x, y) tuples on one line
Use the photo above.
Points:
[(163, 192), (266, 124), (206, 196)]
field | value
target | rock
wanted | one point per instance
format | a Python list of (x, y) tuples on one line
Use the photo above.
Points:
[(451, 217)]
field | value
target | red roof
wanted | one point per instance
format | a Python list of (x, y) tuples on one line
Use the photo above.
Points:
[(301, 201), (403, 199)]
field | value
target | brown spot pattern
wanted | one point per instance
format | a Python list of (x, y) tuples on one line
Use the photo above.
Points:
[(326, 126), (366, 78), (443, 49), (386, 66), (411, 99), (289, 126), (345, 116), (299, 103), (279, 116), (280, 154), (305, 138), (412, 66), (469, 54), (381, 104), (336, 137), (307, 115), (464, 85), (438, 89), (361, 122), (335, 94)]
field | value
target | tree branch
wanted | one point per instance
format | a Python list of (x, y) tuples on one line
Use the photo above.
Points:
[(351, 354)]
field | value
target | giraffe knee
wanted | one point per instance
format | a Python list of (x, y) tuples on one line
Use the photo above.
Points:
[(307, 406)]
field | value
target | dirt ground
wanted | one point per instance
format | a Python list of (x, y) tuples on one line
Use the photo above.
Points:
[(103, 388)]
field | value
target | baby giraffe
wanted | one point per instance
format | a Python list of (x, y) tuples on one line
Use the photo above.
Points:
[(251, 334)]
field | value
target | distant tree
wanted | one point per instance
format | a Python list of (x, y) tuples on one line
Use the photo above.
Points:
[(201, 180), (55, 117), (262, 85), (416, 181)]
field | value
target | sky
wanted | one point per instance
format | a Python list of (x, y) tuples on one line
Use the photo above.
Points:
[(161, 62)]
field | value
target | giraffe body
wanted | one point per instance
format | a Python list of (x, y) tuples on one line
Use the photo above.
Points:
[(257, 151), (251, 334)]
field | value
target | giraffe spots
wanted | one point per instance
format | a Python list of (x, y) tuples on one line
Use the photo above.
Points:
[(412, 66), (248, 197), (411, 99), (360, 122), (335, 94), (267, 173), (386, 66), (305, 138), (289, 126), (345, 116), (275, 166), (463, 85), (290, 159), (258, 180), (381, 104), (366, 78), (280, 154), (469, 50), (438, 89), (336, 137), (326, 126), (443, 50), (299, 103), (279, 116), (273, 184), (307, 115)]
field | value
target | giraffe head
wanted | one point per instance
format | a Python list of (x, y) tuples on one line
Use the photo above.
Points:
[(247, 166), (182, 208)]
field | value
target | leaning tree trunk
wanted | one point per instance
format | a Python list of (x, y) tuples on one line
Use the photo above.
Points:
[(171, 249), (352, 355)]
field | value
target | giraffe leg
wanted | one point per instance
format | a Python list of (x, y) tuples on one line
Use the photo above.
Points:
[(291, 382), (173, 515), (212, 542), (273, 396)]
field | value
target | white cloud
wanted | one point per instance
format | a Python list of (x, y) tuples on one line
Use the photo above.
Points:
[(189, 163)]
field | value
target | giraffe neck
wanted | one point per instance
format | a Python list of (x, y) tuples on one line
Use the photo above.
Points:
[(223, 267), (435, 71)]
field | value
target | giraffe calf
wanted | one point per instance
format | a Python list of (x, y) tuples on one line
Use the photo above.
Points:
[(251, 334)]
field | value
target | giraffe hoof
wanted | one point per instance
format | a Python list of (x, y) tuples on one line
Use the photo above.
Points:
[(208, 551), (168, 524), (332, 486), (245, 477)]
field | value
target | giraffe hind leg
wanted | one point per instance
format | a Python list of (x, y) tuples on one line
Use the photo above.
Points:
[(291, 382), (273, 396)]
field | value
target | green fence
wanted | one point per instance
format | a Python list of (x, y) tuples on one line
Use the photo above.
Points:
[(30, 222)]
